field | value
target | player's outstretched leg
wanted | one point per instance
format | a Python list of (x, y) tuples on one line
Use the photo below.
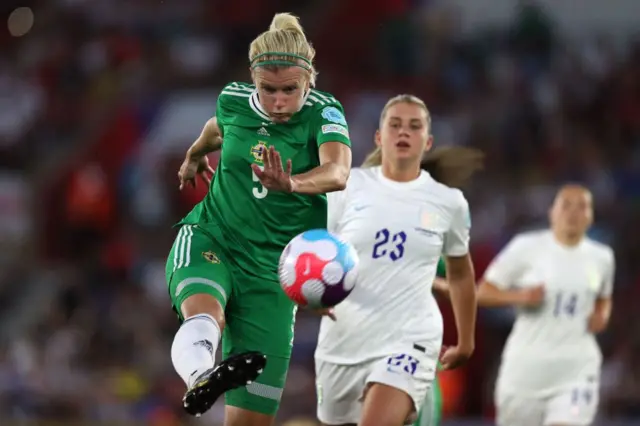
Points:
[(193, 353), (200, 303), (234, 372)]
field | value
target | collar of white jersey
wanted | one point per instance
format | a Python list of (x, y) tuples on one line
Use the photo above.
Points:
[(256, 106), (568, 249), (423, 178)]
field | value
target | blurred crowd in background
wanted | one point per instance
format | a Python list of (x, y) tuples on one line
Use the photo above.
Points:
[(100, 99)]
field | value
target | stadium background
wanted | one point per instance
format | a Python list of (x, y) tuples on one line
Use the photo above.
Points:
[(99, 100)]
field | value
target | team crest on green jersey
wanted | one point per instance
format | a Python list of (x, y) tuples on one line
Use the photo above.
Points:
[(211, 257), (258, 150)]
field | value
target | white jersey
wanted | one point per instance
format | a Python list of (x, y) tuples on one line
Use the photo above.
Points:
[(400, 231), (550, 347)]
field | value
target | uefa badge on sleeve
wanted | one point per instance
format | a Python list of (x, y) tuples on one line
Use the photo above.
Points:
[(334, 115)]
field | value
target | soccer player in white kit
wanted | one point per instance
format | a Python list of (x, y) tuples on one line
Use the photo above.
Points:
[(375, 363), (561, 281)]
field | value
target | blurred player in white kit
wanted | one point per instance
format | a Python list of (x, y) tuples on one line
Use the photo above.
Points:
[(561, 282), (377, 361)]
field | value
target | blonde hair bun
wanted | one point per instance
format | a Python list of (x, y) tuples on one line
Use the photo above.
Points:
[(286, 22)]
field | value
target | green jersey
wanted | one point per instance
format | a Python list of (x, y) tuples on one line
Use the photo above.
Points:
[(258, 223)]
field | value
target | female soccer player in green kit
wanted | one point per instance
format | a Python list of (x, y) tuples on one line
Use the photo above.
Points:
[(222, 269)]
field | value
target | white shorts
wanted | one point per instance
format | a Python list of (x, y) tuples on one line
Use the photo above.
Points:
[(577, 406), (340, 388)]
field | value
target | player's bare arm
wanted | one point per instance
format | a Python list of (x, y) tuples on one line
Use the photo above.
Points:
[(491, 295), (331, 175), (599, 319), (196, 162), (461, 279), (210, 139)]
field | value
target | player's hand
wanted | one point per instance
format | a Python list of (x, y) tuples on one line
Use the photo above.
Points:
[(191, 168), (326, 312), (273, 177), (532, 297), (597, 323), (440, 285), (455, 356)]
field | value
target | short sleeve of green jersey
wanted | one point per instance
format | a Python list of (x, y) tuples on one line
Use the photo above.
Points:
[(233, 105), (222, 108), (331, 124), (220, 115)]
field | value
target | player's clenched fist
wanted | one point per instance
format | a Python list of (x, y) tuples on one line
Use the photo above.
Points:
[(455, 356), (597, 323), (192, 167)]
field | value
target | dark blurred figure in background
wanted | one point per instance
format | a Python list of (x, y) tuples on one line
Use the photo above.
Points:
[(100, 99)]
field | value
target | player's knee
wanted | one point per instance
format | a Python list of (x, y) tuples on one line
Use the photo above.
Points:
[(385, 406), (202, 303)]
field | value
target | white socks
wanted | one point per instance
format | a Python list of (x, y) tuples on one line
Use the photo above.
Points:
[(194, 347)]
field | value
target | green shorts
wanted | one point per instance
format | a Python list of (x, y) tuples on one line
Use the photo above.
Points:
[(431, 411), (259, 316)]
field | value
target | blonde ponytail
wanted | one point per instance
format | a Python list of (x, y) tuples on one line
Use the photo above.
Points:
[(374, 158), (453, 165)]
